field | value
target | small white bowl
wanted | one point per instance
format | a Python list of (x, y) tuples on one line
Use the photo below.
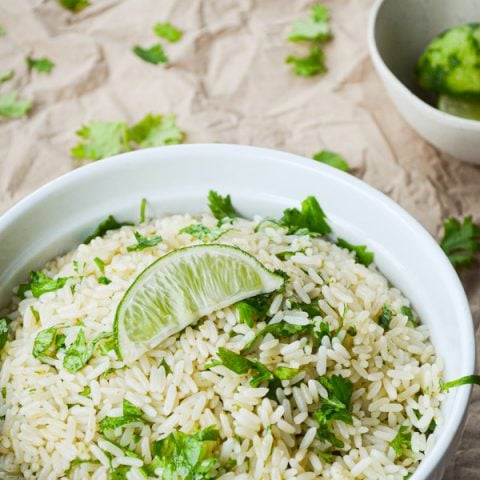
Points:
[(177, 179), (398, 32)]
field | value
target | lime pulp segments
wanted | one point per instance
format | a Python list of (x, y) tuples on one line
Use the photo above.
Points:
[(181, 287)]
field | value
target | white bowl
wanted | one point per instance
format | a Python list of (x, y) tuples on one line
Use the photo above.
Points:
[(57, 217), (398, 32)]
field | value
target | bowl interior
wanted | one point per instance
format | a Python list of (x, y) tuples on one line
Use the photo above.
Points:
[(404, 28), (177, 179)]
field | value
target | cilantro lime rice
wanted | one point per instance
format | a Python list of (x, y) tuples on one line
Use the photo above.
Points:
[(332, 376)]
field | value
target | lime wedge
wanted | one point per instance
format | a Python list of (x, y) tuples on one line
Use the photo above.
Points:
[(182, 286), (460, 107)]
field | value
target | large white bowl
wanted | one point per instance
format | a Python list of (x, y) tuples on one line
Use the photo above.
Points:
[(398, 32), (176, 179)]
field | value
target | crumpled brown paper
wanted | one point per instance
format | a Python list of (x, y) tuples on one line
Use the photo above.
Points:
[(226, 82)]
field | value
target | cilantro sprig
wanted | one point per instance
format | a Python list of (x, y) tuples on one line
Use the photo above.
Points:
[(311, 219), (13, 107), (461, 241), (221, 207), (310, 65), (40, 283), (316, 30), (41, 65), (100, 139), (313, 28)]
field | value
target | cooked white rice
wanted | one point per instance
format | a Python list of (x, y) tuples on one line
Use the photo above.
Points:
[(47, 423)]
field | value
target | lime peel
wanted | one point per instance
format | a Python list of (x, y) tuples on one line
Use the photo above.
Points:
[(181, 287)]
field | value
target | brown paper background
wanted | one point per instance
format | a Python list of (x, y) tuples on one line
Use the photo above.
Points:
[(226, 82)]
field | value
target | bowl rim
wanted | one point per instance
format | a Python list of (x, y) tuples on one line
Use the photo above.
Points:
[(446, 438), (444, 118)]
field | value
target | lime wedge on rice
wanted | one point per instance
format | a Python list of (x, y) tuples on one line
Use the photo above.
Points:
[(181, 287)]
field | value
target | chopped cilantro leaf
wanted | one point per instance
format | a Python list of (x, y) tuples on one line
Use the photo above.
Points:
[(402, 442), (42, 65), (165, 366), (235, 362), (74, 5), (362, 255), (260, 373), (44, 344), (221, 207), (407, 311), (254, 309), (104, 280), (155, 131), (130, 409), (461, 241), (326, 456), (119, 473), (167, 31), (335, 407), (311, 218), (467, 380), (278, 330), (385, 316), (333, 159), (203, 233), (110, 223), (285, 373), (4, 392), (131, 414), (41, 283), (154, 54), (79, 352), (312, 309), (308, 66), (143, 206), (314, 28), (100, 264), (85, 392), (6, 75), (101, 139), (35, 314), (78, 461), (4, 322), (179, 455), (11, 106), (144, 242)]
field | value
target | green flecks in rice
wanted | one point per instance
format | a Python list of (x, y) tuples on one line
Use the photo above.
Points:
[(52, 416)]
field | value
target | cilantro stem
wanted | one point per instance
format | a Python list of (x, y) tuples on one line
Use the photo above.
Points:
[(143, 206), (467, 380)]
